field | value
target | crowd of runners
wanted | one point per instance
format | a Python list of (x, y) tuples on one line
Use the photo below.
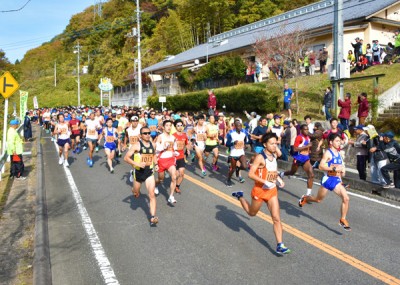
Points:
[(154, 142)]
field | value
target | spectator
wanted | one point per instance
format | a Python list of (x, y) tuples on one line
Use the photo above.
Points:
[(287, 98), (309, 124), (351, 58), (316, 137), (312, 58), (361, 64), (323, 57), (253, 120), (397, 43), (368, 54), (27, 127), (257, 134), (306, 63), (376, 52), (345, 111), (212, 103), (286, 140), (363, 108), (328, 98), (377, 157), (361, 151), (357, 48), (257, 75), (14, 150), (392, 149)]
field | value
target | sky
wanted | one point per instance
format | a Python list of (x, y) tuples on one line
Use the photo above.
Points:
[(38, 22)]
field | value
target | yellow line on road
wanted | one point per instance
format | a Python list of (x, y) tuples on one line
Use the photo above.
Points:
[(370, 270)]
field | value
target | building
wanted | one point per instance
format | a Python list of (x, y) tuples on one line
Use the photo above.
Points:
[(366, 19)]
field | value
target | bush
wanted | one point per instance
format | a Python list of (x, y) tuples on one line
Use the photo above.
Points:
[(391, 124), (236, 99)]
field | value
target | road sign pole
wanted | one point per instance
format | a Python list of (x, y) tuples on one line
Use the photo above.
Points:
[(4, 129), (101, 97)]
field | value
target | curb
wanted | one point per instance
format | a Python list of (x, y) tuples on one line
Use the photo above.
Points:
[(41, 260), (356, 184)]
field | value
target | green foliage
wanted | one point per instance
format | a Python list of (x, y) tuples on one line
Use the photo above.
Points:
[(236, 99), (392, 124)]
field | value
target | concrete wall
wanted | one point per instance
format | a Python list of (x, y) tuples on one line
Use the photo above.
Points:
[(391, 13)]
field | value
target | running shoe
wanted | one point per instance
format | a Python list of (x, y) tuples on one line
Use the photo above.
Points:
[(97, 149), (229, 183), (281, 174), (117, 160), (88, 161), (21, 178), (345, 224), (203, 172), (248, 165), (215, 167), (74, 151), (387, 186), (241, 179), (153, 221), (171, 200), (177, 190), (61, 160), (78, 150), (237, 171), (66, 164), (238, 194), (84, 147), (156, 191), (91, 163), (111, 170), (282, 249), (131, 176), (302, 201)]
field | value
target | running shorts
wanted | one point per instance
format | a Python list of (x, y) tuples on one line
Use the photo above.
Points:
[(210, 148), (165, 163), (258, 193), (286, 105), (63, 142), (142, 174), (180, 163), (74, 136), (330, 182)]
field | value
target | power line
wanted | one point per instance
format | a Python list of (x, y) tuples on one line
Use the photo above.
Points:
[(16, 10)]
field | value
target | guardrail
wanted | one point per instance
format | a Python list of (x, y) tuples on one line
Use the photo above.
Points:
[(3, 158)]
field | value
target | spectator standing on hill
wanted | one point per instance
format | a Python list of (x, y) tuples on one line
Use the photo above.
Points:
[(287, 99), (323, 57), (345, 111), (363, 108), (357, 48), (397, 43), (328, 98), (312, 58), (392, 149), (368, 54), (376, 51), (212, 103), (306, 63)]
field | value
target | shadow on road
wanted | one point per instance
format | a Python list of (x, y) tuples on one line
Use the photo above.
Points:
[(233, 220), (141, 202)]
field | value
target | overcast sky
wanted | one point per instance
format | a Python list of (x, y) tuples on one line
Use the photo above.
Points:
[(38, 22)]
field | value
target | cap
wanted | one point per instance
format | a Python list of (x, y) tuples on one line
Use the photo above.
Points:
[(286, 123), (13, 122), (357, 38), (114, 115), (176, 117), (253, 114), (388, 134), (277, 116), (134, 118), (359, 127), (220, 114)]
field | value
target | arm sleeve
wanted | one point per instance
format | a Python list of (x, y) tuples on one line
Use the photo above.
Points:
[(229, 140)]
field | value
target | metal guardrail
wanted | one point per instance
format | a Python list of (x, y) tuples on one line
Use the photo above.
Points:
[(3, 158)]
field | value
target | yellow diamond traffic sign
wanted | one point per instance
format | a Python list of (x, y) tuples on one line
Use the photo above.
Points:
[(8, 85)]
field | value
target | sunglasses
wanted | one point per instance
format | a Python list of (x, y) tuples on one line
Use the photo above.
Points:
[(146, 133)]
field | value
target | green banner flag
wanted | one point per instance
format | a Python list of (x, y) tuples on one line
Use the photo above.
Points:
[(23, 104)]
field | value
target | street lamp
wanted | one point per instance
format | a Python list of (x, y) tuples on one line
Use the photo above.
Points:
[(77, 50)]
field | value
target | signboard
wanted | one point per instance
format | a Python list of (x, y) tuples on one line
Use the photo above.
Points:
[(23, 103), (105, 84), (8, 85), (35, 103), (162, 99)]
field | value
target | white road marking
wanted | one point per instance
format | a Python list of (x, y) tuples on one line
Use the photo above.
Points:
[(99, 253)]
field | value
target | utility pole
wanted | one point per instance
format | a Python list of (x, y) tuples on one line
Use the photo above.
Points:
[(78, 51), (55, 73), (338, 50), (138, 54)]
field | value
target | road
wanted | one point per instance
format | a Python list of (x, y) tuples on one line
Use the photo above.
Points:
[(100, 234)]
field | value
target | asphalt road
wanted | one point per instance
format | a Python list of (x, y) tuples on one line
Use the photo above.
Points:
[(206, 238)]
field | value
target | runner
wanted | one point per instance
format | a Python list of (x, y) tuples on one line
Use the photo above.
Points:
[(165, 148), (99, 117), (132, 133), (142, 157), (92, 136), (221, 128), (199, 143), (264, 173), (152, 124), (122, 122), (301, 157), (181, 142), (110, 137), (236, 140), (74, 125), (212, 142), (332, 163), (62, 131)]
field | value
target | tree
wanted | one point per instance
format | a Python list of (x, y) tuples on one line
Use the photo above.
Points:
[(282, 50)]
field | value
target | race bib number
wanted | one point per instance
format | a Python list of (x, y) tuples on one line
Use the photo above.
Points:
[(180, 145), (133, 139), (75, 127), (201, 137), (271, 176), (153, 128), (305, 152), (334, 173), (239, 145), (190, 133), (169, 146), (147, 159), (110, 139), (63, 131), (91, 132)]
